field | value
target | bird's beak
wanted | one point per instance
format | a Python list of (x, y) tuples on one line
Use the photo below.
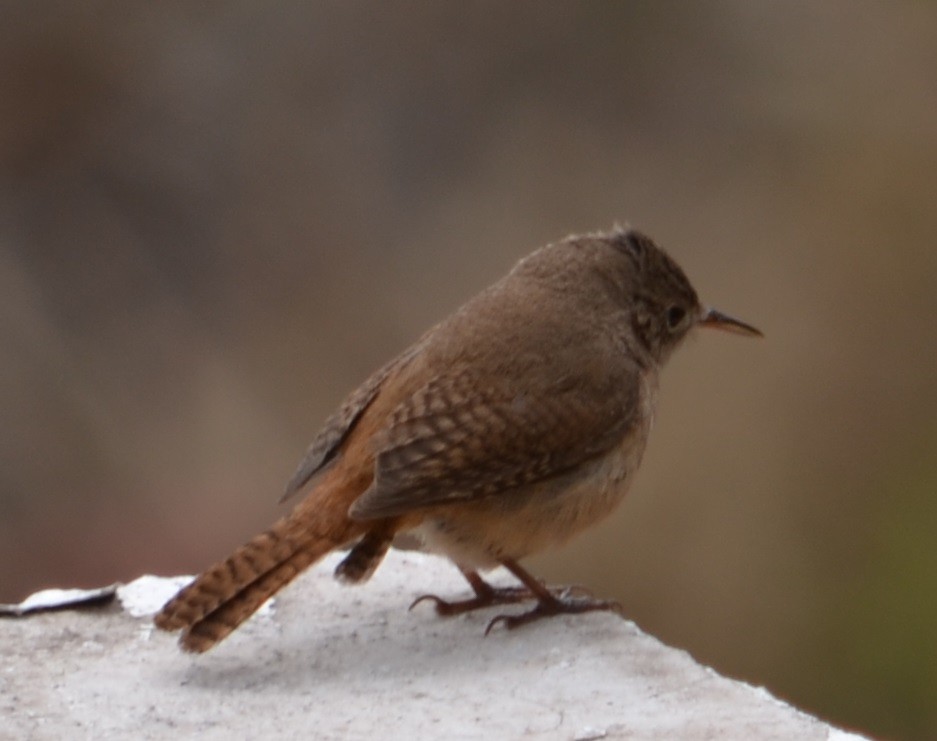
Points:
[(713, 318)]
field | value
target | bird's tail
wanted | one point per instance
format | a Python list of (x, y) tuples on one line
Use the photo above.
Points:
[(228, 593)]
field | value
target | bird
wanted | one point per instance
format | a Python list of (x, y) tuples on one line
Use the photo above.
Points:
[(506, 429)]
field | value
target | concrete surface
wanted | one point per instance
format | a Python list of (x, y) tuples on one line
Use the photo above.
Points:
[(331, 662)]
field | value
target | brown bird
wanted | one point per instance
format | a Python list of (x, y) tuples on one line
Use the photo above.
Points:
[(506, 429)]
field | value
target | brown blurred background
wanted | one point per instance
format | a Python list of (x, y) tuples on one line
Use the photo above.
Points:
[(217, 218)]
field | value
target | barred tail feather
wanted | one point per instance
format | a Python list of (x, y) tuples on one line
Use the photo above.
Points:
[(201, 635), (229, 592)]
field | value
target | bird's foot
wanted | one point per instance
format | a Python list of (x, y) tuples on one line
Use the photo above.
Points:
[(562, 605), (489, 596)]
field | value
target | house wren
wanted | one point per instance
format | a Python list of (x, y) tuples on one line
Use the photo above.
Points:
[(506, 429)]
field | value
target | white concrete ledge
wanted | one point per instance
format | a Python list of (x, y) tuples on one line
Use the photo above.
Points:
[(327, 661)]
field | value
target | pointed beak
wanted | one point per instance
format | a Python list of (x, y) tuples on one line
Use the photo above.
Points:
[(718, 320)]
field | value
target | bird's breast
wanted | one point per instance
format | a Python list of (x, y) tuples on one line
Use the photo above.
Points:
[(477, 534)]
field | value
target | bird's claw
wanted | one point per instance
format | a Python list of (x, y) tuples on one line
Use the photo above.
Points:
[(549, 608)]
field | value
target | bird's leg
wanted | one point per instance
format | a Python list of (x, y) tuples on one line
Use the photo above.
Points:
[(486, 595), (548, 601)]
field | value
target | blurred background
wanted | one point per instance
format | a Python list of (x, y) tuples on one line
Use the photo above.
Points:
[(217, 218)]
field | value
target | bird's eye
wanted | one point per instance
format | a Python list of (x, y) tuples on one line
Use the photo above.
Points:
[(675, 316)]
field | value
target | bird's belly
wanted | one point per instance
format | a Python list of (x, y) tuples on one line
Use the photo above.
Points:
[(514, 524)]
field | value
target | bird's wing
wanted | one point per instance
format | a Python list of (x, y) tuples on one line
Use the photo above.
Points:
[(459, 439), (325, 446)]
